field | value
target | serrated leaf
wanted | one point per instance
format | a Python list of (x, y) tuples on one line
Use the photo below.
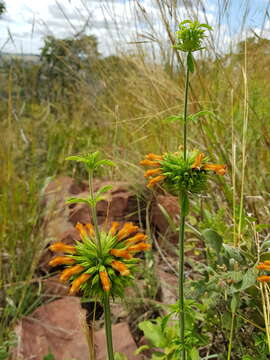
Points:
[(213, 239), (190, 62)]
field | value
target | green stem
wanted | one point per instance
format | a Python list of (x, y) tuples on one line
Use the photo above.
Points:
[(181, 278), (182, 233), (185, 112), (108, 326), (94, 212), (231, 337)]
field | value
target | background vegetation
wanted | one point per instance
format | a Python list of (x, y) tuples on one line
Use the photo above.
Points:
[(76, 100)]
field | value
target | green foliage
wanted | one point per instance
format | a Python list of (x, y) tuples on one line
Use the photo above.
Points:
[(180, 176), (189, 38)]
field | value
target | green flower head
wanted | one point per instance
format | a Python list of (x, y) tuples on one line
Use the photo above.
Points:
[(190, 35)]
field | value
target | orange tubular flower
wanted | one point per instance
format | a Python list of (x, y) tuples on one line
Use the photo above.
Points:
[(77, 283), (61, 260), (61, 247), (114, 227), (152, 172), (67, 273), (147, 162), (139, 247), (155, 180), (198, 161), (136, 238), (217, 168), (81, 229), (266, 262), (152, 156), (122, 268), (127, 230), (90, 229), (121, 253), (104, 278), (263, 278), (263, 266)]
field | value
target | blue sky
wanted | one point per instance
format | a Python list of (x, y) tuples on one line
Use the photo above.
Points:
[(27, 22)]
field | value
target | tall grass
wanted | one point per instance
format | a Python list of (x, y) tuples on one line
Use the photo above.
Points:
[(126, 118)]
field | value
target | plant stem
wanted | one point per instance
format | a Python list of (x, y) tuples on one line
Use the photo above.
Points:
[(231, 337), (183, 199), (181, 280), (185, 112), (108, 326), (94, 212)]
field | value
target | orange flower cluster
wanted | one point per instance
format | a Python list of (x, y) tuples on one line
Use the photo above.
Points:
[(123, 246), (217, 168), (265, 265), (154, 161), (156, 175)]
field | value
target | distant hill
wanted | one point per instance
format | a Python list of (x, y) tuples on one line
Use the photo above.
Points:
[(5, 57)]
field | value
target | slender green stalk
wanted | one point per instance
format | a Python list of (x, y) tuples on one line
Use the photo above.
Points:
[(185, 112), (94, 212), (231, 336), (181, 280), (182, 234), (108, 326)]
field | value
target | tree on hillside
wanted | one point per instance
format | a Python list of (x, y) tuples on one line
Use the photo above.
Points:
[(2, 7), (65, 61)]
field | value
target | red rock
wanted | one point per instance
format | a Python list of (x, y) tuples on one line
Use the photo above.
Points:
[(55, 328), (170, 204), (53, 288), (122, 342)]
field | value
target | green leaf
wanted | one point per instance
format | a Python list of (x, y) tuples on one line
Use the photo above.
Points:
[(77, 158), (173, 118), (49, 356), (190, 62), (153, 333), (75, 200), (213, 239), (104, 189), (265, 245), (194, 354), (141, 349), (249, 279), (194, 117), (233, 252), (265, 256), (105, 162), (119, 356)]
